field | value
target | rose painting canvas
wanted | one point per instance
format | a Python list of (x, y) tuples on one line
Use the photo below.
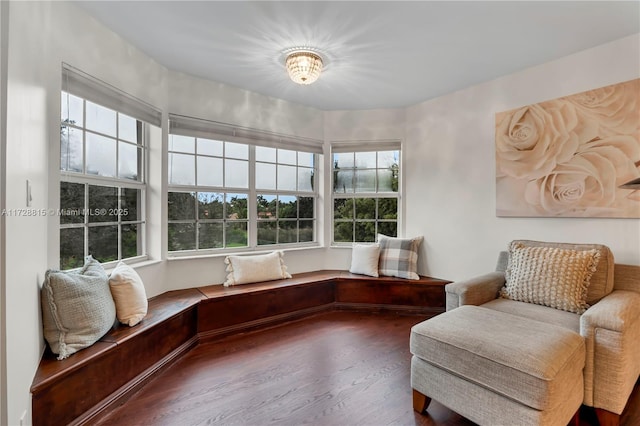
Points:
[(571, 156)]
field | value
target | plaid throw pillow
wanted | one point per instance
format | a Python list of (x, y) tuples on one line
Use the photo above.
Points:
[(399, 256)]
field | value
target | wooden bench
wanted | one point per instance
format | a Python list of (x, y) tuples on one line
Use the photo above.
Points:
[(96, 379)]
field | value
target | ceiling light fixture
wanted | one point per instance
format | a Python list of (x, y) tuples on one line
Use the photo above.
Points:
[(303, 65)]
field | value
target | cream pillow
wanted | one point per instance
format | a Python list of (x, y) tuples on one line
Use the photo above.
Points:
[(364, 259), (128, 294), (601, 282), (255, 268), (77, 308), (550, 276)]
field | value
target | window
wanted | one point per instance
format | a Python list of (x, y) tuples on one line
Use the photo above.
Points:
[(365, 192), (209, 193), (235, 188), (285, 181), (102, 173)]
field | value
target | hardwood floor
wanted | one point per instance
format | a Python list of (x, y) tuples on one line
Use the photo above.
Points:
[(337, 368)]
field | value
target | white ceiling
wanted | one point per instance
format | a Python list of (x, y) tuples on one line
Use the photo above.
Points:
[(380, 54)]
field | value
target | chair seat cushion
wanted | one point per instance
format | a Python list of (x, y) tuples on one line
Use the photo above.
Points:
[(541, 313), (526, 360)]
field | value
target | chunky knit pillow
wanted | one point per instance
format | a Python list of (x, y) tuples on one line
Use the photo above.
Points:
[(601, 282), (550, 276), (77, 308)]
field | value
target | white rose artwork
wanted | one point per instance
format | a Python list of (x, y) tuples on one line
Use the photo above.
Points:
[(571, 156)]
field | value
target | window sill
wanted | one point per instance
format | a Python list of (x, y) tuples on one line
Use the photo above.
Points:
[(135, 263), (259, 250)]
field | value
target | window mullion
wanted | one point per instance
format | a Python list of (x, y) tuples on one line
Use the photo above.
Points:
[(197, 219), (86, 220), (119, 229), (252, 202), (84, 137)]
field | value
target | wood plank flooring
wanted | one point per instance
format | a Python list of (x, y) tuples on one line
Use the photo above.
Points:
[(337, 368)]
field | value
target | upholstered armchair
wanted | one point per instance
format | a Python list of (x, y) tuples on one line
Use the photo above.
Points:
[(610, 325)]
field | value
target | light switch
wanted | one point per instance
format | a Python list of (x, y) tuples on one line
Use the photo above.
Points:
[(29, 197)]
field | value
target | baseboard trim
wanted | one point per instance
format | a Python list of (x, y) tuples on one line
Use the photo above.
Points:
[(121, 395), (381, 307)]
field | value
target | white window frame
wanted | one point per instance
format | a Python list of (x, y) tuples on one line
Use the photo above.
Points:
[(88, 88), (206, 129), (344, 147)]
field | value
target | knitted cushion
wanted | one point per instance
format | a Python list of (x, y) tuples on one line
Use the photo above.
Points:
[(601, 282), (399, 256), (550, 276), (251, 269), (77, 308)]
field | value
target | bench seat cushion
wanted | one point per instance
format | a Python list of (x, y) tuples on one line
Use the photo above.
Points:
[(532, 362)]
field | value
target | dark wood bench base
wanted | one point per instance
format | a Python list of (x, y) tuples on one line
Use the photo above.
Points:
[(95, 380)]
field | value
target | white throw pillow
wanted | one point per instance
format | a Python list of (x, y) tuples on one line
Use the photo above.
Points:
[(256, 268), (364, 259), (129, 294)]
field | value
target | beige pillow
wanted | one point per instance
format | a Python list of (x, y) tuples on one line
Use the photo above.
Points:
[(550, 276), (601, 282), (128, 294), (364, 259), (256, 268), (77, 308)]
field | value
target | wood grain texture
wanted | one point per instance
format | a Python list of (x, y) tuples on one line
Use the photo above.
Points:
[(219, 312), (63, 391), (425, 292), (336, 368)]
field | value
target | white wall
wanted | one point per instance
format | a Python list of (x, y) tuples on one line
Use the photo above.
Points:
[(27, 136), (450, 164), (4, 33), (196, 97)]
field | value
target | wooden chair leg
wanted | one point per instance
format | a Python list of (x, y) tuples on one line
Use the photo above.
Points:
[(420, 402), (607, 418)]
